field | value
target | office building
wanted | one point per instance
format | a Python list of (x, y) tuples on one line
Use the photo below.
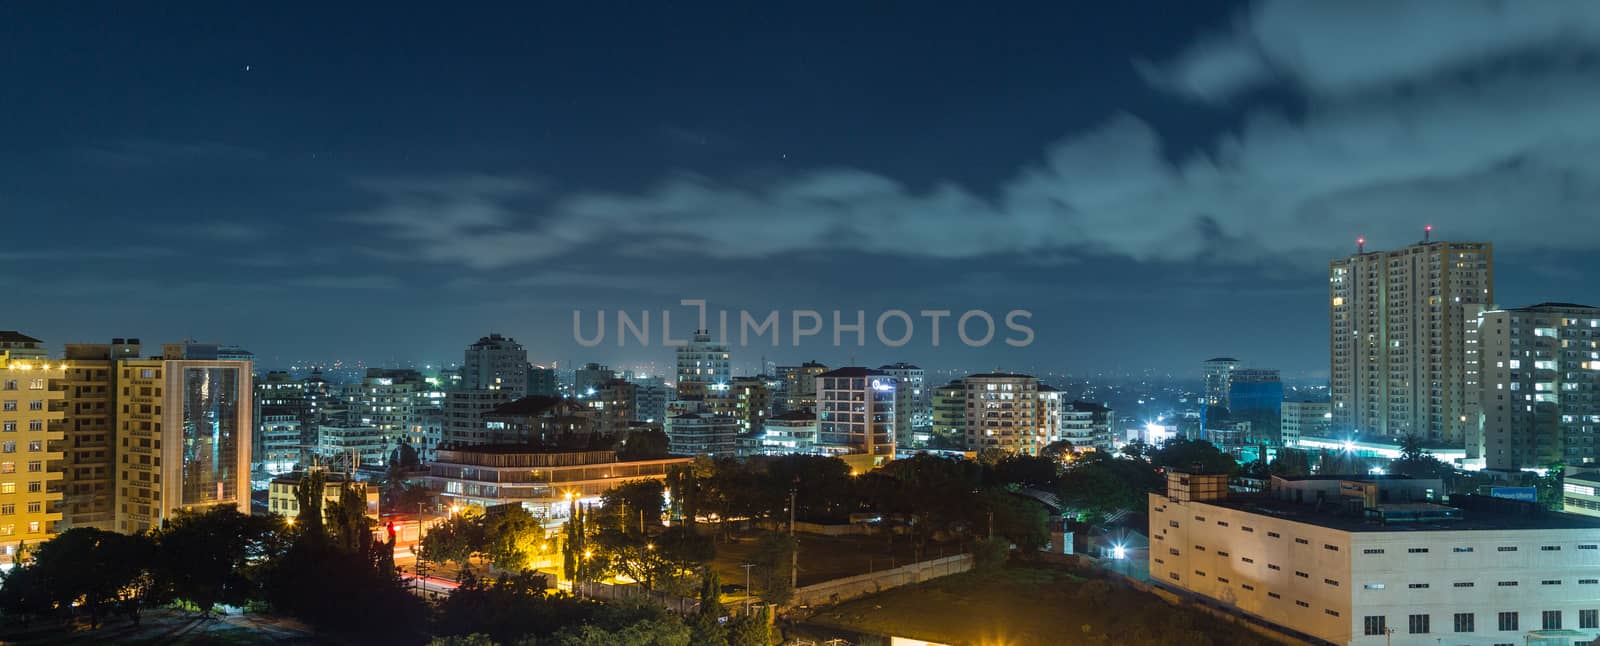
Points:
[(1373, 560), (1256, 396), (349, 444), (702, 366), (31, 415), (545, 482), (496, 362), (1304, 419), (1002, 413), (1087, 426), (281, 499), (1398, 342), (798, 385), (1218, 378), (427, 432), (183, 434), (1539, 390), (702, 434), (855, 414), (277, 440), (307, 399)]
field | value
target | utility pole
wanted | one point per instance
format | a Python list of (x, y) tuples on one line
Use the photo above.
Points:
[(794, 547), (991, 525), (747, 567)]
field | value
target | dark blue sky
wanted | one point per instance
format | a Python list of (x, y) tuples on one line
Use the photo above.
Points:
[(1157, 182)]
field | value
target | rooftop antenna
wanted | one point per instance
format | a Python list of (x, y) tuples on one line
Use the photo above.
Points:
[(1427, 233), (1361, 245)]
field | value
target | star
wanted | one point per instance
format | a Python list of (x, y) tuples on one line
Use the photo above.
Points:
[(247, 68)]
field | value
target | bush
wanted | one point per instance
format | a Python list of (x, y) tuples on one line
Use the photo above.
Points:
[(990, 554)]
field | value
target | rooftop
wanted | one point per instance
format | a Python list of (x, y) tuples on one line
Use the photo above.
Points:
[(530, 405), (1000, 375), (1475, 515), (854, 371), (13, 336)]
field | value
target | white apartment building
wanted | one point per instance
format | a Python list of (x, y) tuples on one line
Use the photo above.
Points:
[(1374, 562), (702, 434), (546, 483), (1002, 413), (791, 432), (1540, 386), (1397, 337), (1087, 426), (702, 365)]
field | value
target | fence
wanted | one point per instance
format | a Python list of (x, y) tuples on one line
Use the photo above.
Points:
[(851, 587)]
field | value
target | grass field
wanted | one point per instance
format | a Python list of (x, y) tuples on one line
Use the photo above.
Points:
[(1026, 605), (824, 558)]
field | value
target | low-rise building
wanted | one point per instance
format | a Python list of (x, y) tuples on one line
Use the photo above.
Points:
[(1375, 561), (281, 500), (702, 434), (545, 482), (791, 432), (1087, 426), (1305, 419)]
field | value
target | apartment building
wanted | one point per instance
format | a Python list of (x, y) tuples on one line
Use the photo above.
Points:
[(1398, 342), (1003, 413), (31, 414), (1539, 387)]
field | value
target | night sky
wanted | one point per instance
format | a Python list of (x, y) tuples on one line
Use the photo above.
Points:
[(1157, 182)]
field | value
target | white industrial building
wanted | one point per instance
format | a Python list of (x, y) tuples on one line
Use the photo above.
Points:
[(1380, 561)]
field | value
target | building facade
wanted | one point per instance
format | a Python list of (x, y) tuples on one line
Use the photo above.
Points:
[(496, 362), (702, 365), (791, 432), (913, 405), (1087, 426), (1540, 386), (1398, 343), (798, 386), (1375, 562), (855, 412), (31, 435), (183, 435), (1003, 413), (546, 483), (1256, 396), (950, 414), (1305, 419), (1218, 378), (281, 500), (702, 434)]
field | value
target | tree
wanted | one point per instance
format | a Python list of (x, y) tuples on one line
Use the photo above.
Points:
[(1058, 451), (308, 494), (1417, 462), (752, 629), (1186, 455), (667, 631), (347, 519), (1548, 486), (25, 594), (513, 537), (1099, 486), (1025, 471), (633, 506), (457, 539), (1017, 519), (706, 628), (643, 444), (209, 557), (774, 559), (510, 608), (91, 568), (1291, 462)]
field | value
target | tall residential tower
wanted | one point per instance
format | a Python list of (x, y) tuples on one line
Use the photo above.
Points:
[(1397, 328)]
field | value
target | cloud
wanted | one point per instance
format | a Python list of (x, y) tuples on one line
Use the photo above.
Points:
[(24, 253), (229, 231), (339, 281), (1334, 48), (1508, 152)]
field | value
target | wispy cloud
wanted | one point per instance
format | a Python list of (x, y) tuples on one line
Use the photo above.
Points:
[(1396, 134), (352, 282), (149, 152), (68, 254)]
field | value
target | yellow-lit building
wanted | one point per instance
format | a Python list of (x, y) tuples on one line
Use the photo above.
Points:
[(30, 437), (282, 502)]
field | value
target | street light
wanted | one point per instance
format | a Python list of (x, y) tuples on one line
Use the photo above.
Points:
[(747, 567)]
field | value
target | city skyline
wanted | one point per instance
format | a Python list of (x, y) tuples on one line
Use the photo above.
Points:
[(1154, 199)]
